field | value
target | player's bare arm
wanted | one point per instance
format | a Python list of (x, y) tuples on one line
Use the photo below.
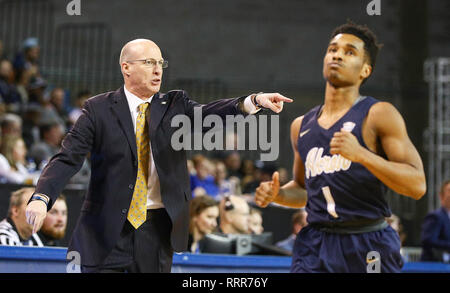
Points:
[(402, 171), (291, 194)]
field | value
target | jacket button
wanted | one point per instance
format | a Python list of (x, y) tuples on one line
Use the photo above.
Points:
[(130, 186), (124, 211)]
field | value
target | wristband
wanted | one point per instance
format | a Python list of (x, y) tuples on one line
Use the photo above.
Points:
[(255, 101), (38, 197)]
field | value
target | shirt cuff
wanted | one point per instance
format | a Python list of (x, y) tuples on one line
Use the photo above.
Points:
[(249, 107)]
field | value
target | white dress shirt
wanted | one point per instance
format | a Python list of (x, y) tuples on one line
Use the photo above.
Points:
[(154, 200)]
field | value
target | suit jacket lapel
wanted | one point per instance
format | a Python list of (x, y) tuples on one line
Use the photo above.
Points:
[(122, 110), (158, 108)]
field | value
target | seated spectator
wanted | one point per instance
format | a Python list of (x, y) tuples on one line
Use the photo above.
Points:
[(436, 230), (54, 227), (75, 113), (204, 212), (247, 171), (255, 224), (36, 89), (234, 214), (14, 230), (51, 136), (394, 222), (31, 118), (203, 181), (8, 91), (298, 223), (284, 176), (13, 163), (50, 109), (57, 99), (226, 187), (11, 124), (233, 164), (263, 172), (28, 57)]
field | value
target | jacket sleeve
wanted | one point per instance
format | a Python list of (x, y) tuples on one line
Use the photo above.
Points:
[(222, 107), (68, 161)]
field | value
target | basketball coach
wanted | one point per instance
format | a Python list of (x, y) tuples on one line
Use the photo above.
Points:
[(135, 214)]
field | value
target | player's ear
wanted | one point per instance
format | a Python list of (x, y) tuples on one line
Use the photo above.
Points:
[(366, 70)]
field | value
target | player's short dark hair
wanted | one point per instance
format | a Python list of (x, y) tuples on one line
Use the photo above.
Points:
[(371, 45)]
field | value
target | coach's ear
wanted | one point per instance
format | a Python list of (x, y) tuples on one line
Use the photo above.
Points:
[(366, 71)]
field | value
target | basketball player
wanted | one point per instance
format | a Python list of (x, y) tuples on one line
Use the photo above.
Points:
[(346, 152)]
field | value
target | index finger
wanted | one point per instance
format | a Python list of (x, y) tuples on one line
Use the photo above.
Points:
[(284, 99)]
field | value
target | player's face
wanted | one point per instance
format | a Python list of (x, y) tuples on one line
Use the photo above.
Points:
[(345, 63)]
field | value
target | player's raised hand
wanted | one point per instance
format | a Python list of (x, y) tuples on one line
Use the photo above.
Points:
[(268, 191), (345, 144), (272, 101)]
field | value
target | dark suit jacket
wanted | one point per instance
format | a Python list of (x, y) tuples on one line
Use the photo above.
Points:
[(435, 235), (106, 130)]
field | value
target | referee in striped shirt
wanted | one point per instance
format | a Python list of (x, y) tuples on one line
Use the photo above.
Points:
[(14, 230)]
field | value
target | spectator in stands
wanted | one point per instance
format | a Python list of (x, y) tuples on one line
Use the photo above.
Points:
[(11, 125), (8, 92), (14, 230), (247, 172), (436, 230), (13, 161), (51, 136), (36, 89), (396, 224), (226, 187), (284, 176), (203, 181), (233, 164), (190, 167), (28, 58), (263, 172), (30, 128), (76, 111), (234, 214), (298, 223), (50, 112), (57, 98), (54, 227), (204, 212), (255, 224)]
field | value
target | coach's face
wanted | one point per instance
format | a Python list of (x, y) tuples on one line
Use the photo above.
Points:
[(345, 62), (142, 76)]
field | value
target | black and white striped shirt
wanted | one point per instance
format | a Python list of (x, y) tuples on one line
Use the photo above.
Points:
[(9, 236)]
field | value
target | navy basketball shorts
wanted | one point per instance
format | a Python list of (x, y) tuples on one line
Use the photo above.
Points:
[(321, 252)]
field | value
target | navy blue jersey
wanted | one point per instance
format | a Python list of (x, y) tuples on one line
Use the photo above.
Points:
[(339, 190)]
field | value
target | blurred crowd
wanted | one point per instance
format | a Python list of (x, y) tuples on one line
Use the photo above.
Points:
[(34, 117)]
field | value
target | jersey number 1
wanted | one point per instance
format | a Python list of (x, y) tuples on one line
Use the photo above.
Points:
[(331, 205)]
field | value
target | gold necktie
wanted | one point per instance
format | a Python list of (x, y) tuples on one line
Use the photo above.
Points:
[(138, 208)]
